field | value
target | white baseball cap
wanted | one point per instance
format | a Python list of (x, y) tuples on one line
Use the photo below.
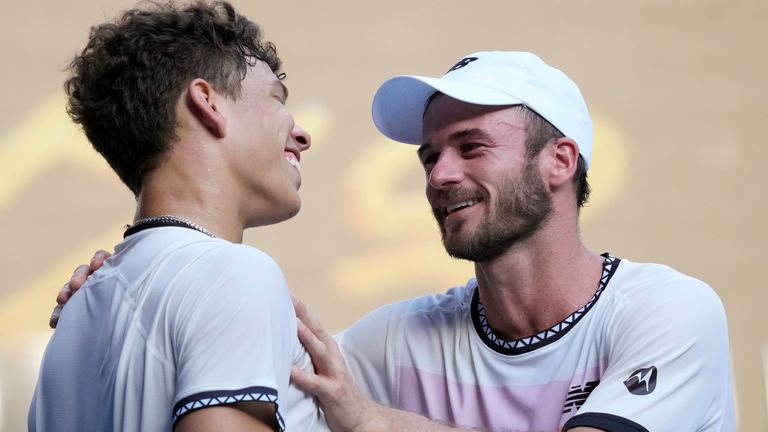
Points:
[(486, 78)]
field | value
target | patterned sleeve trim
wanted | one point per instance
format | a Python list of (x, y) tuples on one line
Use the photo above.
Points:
[(224, 397)]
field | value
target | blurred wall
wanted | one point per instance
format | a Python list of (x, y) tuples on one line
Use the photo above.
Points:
[(677, 91)]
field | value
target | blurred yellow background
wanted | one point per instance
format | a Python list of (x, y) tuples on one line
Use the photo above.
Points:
[(677, 91)]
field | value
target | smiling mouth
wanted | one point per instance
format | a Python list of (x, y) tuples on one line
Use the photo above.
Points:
[(293, 161), (460, 206)]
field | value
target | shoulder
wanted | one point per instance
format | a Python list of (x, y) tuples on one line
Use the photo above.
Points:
[(432, 307), (235, 275), (245, 257), (645, 299), (232, 264), (666, 331), (454, 300), (249, 270), (181, 250), (658, 285), (231, 285)]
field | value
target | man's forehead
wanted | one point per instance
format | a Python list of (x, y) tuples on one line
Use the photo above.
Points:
[(462, 120), (261, 71)]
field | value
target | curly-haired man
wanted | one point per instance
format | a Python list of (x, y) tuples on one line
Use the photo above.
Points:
[(184, 328)]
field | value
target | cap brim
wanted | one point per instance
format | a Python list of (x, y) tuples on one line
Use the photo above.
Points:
[(399, 104)]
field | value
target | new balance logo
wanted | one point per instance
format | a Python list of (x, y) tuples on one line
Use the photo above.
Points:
[(642, 381), (577, 395), (463, 62)]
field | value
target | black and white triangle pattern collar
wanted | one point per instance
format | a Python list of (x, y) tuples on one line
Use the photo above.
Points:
[(527, 344)]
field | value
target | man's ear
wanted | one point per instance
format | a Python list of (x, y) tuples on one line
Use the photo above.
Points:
[(564, 159), (204, 103)]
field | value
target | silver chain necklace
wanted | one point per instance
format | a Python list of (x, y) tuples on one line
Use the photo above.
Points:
[(171, 220)]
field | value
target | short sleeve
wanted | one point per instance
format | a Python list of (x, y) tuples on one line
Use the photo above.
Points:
[(232, 331), (668, 366)]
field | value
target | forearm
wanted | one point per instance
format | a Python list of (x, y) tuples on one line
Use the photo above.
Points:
[(388, 419)]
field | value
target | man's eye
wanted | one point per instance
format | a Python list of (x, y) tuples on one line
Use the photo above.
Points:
[(429, 160), (468, 147)]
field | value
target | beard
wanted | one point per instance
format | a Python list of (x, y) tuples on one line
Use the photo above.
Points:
[(524, 205)]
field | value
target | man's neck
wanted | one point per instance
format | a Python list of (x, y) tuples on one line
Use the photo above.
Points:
[(202, 206), (538, 283)]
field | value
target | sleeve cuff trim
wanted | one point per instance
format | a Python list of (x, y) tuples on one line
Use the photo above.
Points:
[(606, 422), (223, 397)]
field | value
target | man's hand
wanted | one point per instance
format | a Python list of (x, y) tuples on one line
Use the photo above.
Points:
[(77, 280), (345, 406)]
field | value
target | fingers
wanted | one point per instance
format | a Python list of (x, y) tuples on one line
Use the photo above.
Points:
[(299, 306), (316, 347), (305, 380), (54, 319), (322, 348), (318, 385), (80, 274), (75, 282), (310, 319), (98, 259), (65, 293)]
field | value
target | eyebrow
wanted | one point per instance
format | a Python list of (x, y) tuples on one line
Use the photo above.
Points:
[(469, 133), (458, 135), (280, 85)]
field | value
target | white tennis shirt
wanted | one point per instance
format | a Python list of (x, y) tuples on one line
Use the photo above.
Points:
[(648, 352), (173, 322)]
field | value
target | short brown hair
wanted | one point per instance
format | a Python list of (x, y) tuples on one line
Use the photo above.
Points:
[(126, 82), (539, 132)]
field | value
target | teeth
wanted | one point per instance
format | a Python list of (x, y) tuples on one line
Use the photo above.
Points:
[(458, 206), (294, 163)]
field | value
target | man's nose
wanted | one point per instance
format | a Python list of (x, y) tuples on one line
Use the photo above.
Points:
[(446, 171), (302, 137)]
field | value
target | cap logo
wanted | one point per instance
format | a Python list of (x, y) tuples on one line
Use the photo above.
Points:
[(463, 62)]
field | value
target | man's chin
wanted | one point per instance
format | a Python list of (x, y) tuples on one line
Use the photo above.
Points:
[(460, 253), (457, 247), (456, 240)]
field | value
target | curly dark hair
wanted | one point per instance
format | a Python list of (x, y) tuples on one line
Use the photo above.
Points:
[(125, 84)]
